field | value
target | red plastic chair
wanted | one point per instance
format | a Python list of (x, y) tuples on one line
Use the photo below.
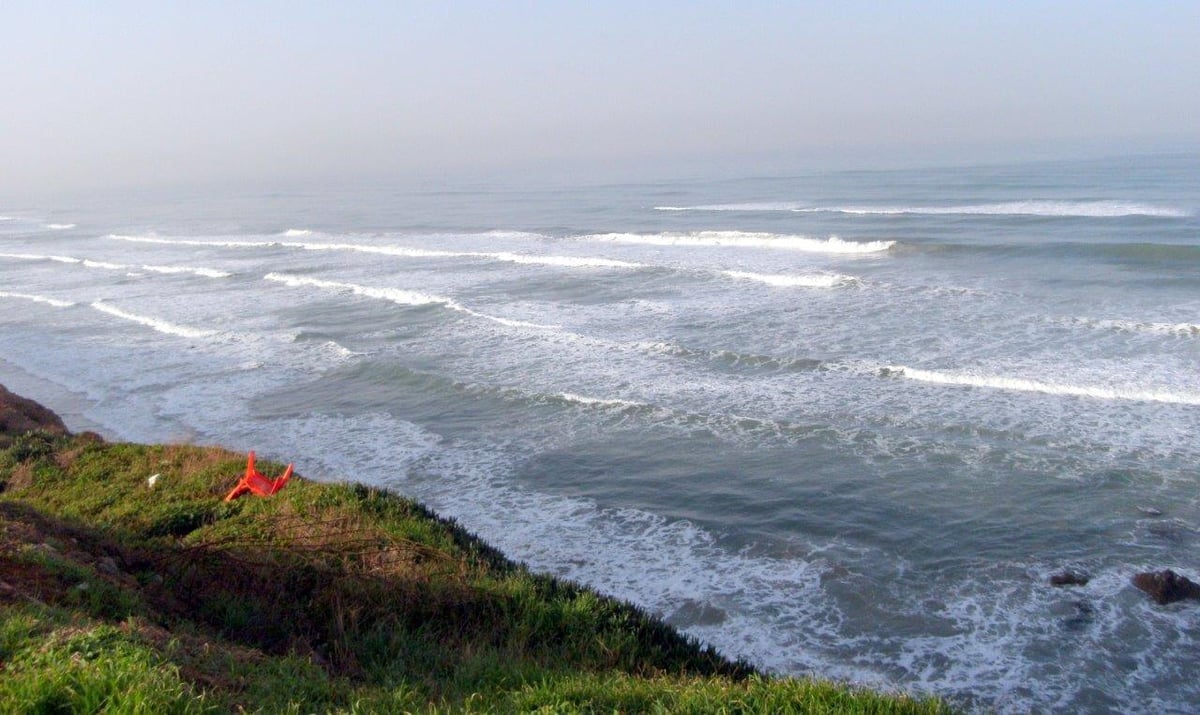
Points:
[(256, 483)]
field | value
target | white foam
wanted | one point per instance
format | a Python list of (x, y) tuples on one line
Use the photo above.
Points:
[(193, 242), (1024, 385), (37, 299), (399, 251), (678, 561), (205, 272), (599, 402), (397, 295), (60, 226), (104, 264), (40, 257), (1080, 209), (508, 321), (1179, 329), (498, 233), (338, 350), (816, 280), (565, 261), (521, 258), (87, 262), (508, 257), (161, 326), (297, 232), (742, 239)]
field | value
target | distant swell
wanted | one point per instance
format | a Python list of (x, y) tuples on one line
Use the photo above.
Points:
[(37, 299), (1079, 209), (1023, 385), (1035, 207), (396, 295), (759, 206), (161, 326), (399, 251), (740, 239)]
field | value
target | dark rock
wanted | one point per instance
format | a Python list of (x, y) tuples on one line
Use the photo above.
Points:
[(19, 415), (1069, 578), (697, 613), (1079, 616), (1167, 586), (108, 565)]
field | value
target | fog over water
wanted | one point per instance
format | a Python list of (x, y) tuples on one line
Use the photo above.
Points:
[(129, 94)]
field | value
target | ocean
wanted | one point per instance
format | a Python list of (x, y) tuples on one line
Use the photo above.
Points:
[(842, 423)]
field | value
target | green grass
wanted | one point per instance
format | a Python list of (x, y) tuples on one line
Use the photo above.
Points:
[(116, 596)]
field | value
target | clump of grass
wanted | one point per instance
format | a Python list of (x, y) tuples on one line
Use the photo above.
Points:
[(92, 670), (329, 597)]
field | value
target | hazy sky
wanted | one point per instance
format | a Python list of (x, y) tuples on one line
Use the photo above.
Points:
[(120, 93)]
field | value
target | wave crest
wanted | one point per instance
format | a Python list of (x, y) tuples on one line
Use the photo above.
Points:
[(396, 295), (1001, 382), (743, 239), (161, 326), (816, 280), (37, 299), (1190, 330), (1031, 207)]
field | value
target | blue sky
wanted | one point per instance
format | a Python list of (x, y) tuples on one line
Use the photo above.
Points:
[(121, 93)]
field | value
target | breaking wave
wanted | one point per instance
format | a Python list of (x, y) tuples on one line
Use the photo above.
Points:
[(161, 326), (396, 295), (1000, 382), (1033, 207), (599, 402), (1191, 330), (37, 299), (400, 251), (1044, 208), (40, 257), (742, 239), (816, 280), (205, 272), (89, 263)]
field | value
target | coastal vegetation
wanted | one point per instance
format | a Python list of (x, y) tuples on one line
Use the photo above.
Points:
[(128, 585)]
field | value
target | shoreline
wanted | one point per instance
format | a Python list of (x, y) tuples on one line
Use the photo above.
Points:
[(375, 593)]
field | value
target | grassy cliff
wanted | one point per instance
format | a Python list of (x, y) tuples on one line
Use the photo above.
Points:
[(119, 595)]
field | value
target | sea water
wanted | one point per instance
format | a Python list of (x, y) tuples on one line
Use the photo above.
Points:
[(839, 423)]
